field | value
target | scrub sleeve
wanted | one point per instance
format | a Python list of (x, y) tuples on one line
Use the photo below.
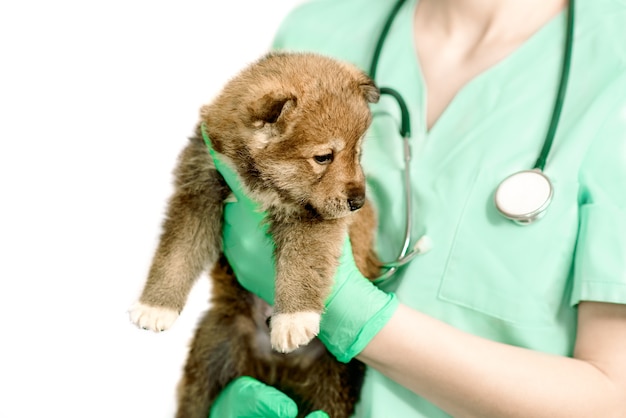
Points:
[(600, 264), (519, 285)]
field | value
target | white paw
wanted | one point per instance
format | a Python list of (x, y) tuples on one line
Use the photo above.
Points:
[(151, 317), (291, 330)]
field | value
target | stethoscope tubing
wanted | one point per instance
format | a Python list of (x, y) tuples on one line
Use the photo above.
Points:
[(405, 131), (560, 96), (534, 185)]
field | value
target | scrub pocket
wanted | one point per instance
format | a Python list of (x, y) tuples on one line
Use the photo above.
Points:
[(516, 273)]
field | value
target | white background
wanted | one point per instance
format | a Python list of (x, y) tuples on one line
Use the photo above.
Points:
[(96, 100)]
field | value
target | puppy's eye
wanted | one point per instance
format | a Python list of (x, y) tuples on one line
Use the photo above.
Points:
[(324, 159)]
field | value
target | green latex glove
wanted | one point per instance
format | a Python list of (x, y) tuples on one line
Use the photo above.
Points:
[(246, 397), (346, 326)]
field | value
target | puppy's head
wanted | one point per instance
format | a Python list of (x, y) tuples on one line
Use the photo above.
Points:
[(292, 125)]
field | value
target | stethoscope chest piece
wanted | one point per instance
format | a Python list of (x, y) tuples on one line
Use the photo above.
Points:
[(524, 196)]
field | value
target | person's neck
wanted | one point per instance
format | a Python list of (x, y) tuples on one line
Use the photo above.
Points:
[(480, 21)]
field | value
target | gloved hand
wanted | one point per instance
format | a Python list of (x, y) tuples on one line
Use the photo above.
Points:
[(246, 397), (346, 327)]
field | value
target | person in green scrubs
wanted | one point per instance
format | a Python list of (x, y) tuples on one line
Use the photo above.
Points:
[(497, 319)]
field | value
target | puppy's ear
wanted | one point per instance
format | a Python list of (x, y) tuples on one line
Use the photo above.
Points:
[(271, 108), (369, 89), (268, 117)]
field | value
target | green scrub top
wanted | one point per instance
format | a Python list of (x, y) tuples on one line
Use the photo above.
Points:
[(485, 274)]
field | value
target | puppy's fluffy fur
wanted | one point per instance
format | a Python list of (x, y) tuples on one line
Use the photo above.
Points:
[(291, 127)]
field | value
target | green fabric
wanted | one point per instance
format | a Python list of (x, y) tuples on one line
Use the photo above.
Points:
[(486, 275), (246, 397)]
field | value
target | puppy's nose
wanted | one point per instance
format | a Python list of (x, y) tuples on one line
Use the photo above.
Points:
[(356, 202)]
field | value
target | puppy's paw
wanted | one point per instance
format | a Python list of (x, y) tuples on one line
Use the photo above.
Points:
[(154, 318), (291, 330)]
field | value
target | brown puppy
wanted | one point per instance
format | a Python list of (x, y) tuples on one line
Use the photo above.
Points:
[(291, 127)]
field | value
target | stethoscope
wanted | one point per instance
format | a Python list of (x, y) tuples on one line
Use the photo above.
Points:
[(522, 197)]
